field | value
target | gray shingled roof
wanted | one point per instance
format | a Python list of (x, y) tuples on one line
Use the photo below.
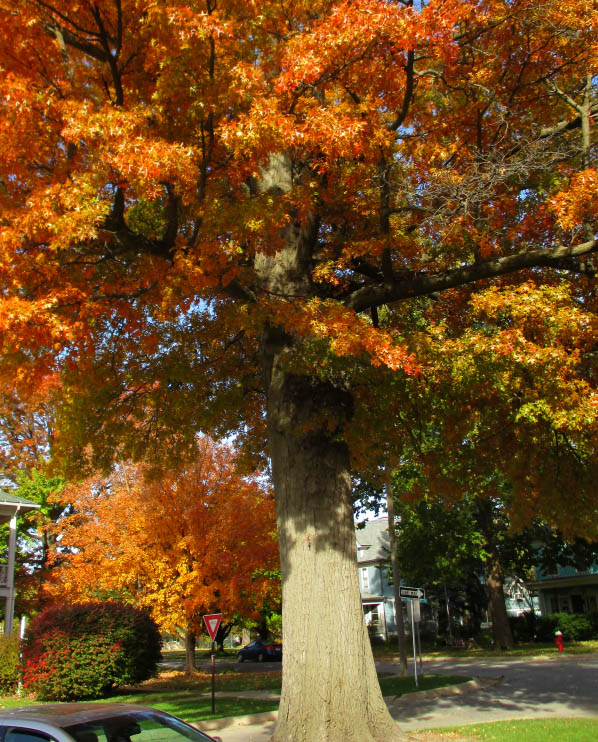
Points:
[(7, 499), (374, 536)]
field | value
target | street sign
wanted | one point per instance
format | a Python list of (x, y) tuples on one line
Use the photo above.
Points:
[(212, 622), (415, 593)]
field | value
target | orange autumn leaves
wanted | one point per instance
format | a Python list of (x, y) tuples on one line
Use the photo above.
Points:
[(189, 543), (179, 104)]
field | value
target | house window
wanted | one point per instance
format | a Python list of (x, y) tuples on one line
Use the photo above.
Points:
[(591, 603), (564, 605), (365, 579), (372, 616), (554, 605)]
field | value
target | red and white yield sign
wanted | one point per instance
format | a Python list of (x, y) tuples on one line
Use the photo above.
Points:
[(212, 622)]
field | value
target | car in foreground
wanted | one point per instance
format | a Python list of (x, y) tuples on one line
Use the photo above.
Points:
[(257, 650), (95, 722)]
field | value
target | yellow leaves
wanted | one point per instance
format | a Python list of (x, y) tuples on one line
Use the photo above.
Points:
[(578, 204)]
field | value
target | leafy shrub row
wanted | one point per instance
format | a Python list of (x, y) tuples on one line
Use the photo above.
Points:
[(84, 651), (573, 626), (9, 663)]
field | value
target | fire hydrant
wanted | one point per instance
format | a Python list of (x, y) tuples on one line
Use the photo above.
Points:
[(558, 640)]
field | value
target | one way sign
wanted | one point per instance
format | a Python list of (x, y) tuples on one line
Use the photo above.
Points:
[(415, 593), (212, 622)]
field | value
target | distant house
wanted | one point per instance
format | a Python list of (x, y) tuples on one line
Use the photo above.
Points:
[(377, 594), (566, 590), (519, 597)]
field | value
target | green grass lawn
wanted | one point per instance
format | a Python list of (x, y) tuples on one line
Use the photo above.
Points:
[(396, 686), (187, 703), (536, 730), (192, 708)]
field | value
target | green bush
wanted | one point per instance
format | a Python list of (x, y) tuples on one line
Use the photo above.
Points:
[(9, 663), (86, 650), (523, 627), (574, 627)]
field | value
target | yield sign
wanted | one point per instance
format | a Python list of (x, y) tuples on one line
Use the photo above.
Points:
[(212, 623)]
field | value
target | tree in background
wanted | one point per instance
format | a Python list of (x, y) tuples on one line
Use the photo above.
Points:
[(26, 432), (207, 206), (199, 541)]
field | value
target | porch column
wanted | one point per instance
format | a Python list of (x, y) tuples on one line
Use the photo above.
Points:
[(10, 598)]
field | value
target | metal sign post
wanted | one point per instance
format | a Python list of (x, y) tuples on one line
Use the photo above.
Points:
[(414, 595), (213, 663), (411, 606), (212, 622)]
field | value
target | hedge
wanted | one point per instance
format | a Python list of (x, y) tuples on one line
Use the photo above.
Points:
[(574, 626), (86, 650), (9, 663)]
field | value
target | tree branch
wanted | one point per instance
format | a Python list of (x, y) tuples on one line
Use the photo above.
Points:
[(423, 284)]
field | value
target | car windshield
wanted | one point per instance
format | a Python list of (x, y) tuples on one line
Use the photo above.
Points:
[(138, 726)]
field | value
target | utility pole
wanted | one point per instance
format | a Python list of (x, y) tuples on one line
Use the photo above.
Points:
[(396, 580)]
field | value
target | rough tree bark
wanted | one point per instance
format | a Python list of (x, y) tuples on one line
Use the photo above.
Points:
[(330, 690), (501, 630)]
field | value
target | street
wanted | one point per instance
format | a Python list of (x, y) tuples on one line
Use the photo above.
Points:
[(559, 686)]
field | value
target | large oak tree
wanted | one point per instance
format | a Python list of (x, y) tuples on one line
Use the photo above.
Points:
[(206, 203)]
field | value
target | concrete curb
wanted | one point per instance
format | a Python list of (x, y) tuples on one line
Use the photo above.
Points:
[(213, 725), (470, 686)]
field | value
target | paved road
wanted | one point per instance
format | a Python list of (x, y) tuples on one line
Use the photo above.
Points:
[(563, 686), (559, 686)]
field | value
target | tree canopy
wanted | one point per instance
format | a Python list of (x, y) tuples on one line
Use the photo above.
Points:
[(220, 215)]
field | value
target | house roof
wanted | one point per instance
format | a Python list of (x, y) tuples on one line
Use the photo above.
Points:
[(10, 504), (373, 541)]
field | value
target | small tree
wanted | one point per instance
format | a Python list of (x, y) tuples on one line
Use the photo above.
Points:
[(199, 541), (86, 650)]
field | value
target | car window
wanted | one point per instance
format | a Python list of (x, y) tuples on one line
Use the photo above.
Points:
[(137, 727), (25, 735), (252, 644)]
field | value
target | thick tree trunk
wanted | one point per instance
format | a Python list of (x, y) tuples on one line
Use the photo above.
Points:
[(190, 665), (330, 690), (501, 630)]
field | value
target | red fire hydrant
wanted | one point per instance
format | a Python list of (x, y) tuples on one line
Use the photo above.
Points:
[(558, 640)]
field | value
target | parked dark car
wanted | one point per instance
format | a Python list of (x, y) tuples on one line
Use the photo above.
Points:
[(259, 651), (95, 722)]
